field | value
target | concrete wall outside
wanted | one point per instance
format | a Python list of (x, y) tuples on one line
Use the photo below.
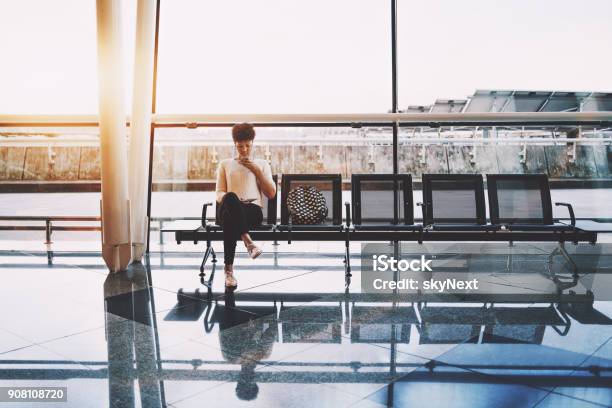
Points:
[(183, 164)]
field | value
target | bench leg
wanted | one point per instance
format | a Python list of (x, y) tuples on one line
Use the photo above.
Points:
[(209, 251), (275, 253), (214, 255), (562, 282), (561, 249), (347, 265), (208, 283), (396, 255), (509, 261), (510, 258), (204, 259)]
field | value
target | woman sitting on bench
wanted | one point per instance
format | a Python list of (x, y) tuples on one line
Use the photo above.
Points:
[(241, 182)]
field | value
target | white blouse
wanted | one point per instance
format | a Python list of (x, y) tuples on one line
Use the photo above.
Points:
[(233, 177)]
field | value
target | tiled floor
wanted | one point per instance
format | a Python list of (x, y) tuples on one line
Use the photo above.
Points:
[(290, 336)]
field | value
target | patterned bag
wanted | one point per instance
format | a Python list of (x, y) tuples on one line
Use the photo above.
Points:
[(306, 205)]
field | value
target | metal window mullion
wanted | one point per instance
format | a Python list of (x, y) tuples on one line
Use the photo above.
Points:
[(152, 135)]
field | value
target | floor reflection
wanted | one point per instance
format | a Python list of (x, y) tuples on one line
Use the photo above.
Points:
[(133, 348), (288, 343), (251, 325), (257, 330)]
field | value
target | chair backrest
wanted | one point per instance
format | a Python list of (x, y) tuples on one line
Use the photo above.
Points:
[(453, 198), (270, 206), (373, 197), (330, 185), (268, 210), (519, 198)]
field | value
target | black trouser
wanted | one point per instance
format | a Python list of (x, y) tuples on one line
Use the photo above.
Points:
[(236, 218)]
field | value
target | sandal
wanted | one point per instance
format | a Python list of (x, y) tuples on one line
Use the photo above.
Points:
[(253, 250), (230, 281)]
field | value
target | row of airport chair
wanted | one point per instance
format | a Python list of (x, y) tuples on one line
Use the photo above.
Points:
[(453, 209), (450, 202)]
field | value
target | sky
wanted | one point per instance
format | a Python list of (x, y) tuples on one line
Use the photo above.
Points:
[(315, 56)]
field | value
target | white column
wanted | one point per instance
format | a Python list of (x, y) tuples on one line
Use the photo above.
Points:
[(141, 124), (116, 247)]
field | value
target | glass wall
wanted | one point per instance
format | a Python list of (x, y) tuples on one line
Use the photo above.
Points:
[(448, 49), (185, 161), (576, 167), (274, 56), (516, 56), (49, 172), (49, 56), (311, 57), (49, 66)]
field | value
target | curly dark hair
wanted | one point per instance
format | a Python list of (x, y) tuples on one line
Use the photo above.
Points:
[(242, 132)]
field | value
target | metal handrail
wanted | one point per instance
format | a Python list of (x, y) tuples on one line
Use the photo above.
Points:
[(50, 218), (318, 119), (404, 119), (327, 141), (49, 227)]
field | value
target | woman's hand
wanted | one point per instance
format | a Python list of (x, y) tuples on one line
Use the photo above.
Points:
[(266, 186), (249, 164)]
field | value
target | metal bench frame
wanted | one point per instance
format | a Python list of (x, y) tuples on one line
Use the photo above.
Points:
[(404, 230)]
